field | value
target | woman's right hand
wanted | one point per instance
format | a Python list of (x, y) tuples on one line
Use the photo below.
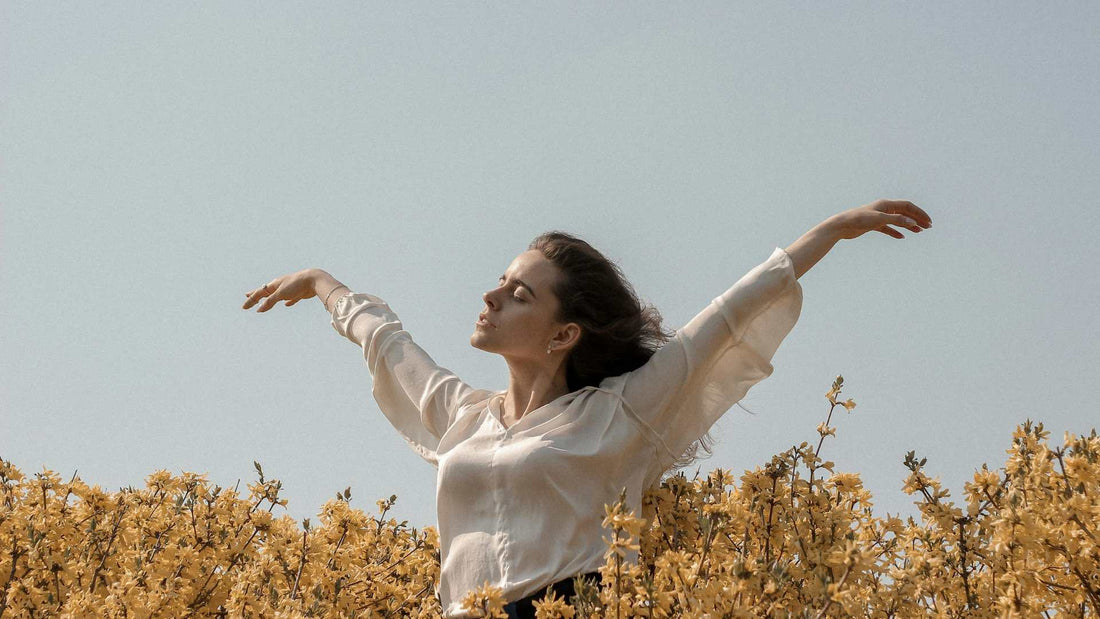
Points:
[(290, 288)]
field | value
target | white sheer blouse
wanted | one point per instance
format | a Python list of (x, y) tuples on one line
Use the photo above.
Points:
[(522, 507)]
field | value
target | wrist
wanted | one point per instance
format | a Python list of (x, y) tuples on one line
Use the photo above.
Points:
[(327, 288), (333, 294), (321, 280)]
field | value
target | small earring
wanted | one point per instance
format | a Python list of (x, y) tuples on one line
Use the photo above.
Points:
[(548, 350)]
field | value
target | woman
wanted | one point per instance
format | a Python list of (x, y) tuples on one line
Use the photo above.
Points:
[(599, 398)]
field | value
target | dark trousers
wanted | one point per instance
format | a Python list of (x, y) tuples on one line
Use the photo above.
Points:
[(525, 608)]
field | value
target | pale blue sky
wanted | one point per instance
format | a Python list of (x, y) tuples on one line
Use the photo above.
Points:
[(161, 159)]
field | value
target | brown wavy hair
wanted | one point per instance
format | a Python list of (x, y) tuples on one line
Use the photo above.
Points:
[(619, 333)]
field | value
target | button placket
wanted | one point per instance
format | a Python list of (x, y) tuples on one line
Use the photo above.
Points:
[(498, 503)]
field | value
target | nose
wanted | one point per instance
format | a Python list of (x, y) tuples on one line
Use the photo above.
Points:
[(488, 300)]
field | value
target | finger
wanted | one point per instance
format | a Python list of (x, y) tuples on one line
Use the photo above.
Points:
[(905, 207), (888, 231), (890, 206), (250, 301), (257, 294), (274, 296), (253, 297), (919, 214), (289, 303), (903, 221)]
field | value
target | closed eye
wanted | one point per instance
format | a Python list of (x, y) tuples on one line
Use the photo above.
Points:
[(516, 297)]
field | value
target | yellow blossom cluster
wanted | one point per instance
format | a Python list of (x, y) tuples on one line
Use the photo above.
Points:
[(792, 538), (181, 549)]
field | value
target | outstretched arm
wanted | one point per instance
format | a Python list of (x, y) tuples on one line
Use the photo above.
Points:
[(878, 215), (420, 398), (723, 351)]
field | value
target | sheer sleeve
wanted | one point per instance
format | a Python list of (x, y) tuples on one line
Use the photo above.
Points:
[(712, 361), (420, 398)]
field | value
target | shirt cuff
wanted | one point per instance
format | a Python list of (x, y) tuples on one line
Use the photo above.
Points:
[(350, 305)]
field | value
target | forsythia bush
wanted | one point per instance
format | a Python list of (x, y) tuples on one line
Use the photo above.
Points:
[(794, 538)]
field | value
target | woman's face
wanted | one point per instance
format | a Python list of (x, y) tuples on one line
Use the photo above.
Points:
[(519, 312)]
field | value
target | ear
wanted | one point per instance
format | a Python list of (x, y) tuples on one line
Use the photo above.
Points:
[(567, 336)]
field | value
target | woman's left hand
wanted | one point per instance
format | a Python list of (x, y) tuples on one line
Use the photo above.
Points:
[(879, 216)]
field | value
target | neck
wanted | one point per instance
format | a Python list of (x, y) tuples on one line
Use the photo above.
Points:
[(531, 385)]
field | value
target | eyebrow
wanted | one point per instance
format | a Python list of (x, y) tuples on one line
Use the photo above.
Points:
[(524, 284)]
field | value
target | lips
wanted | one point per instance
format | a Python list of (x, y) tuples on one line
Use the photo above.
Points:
[(482, 317)]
